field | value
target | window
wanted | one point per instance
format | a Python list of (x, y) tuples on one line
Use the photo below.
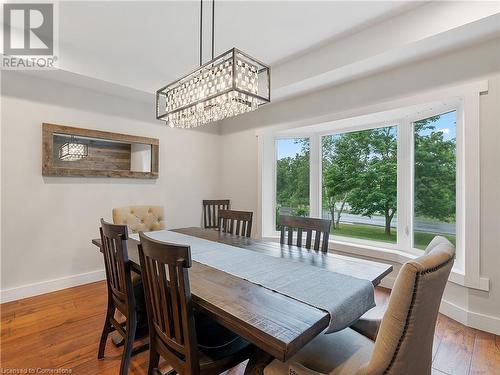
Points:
[(292, 177), (359, 183), (391, 186), (437, 186), (434, 203)]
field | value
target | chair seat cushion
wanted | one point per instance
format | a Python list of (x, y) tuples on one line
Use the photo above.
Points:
[(339, 353)]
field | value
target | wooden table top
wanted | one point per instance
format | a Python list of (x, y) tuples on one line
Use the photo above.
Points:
[(277, 324)]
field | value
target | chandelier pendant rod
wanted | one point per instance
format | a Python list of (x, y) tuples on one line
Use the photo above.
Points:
[(225, 86), (213, 27), (201, 30)]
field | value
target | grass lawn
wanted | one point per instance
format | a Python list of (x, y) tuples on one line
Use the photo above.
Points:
[(374, 233)]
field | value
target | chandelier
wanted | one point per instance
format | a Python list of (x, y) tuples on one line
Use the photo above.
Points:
[(228, 85), (72, 150)]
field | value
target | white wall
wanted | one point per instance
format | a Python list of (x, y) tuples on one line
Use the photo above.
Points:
[(239, 183), (48, 222), (477, 308), (140, 157)]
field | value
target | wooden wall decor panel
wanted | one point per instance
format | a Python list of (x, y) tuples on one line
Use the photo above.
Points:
[(109, 153)]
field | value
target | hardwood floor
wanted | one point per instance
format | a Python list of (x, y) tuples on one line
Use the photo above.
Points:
[(62, 330)]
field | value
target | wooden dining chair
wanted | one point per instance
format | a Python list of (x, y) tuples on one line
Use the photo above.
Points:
[(236, 222), (172, 330), (125, 292), (320, 227), (400, 342), (211, 208)]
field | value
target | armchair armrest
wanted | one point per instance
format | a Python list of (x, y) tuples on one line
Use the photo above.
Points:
[(298, 369), (367, 327)]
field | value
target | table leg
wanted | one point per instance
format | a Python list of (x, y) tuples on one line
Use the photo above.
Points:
[(257, 362)]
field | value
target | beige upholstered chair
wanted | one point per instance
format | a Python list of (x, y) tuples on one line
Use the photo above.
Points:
[(400, 343), (140, 218)]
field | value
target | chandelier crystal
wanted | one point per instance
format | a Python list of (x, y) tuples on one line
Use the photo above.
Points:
[(231, 84)]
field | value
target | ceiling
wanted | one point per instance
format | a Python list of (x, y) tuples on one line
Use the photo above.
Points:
[(145, 45)]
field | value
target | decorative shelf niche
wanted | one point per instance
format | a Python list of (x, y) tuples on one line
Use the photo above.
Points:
[(76, 152)]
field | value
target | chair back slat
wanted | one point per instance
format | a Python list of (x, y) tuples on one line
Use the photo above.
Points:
[(176, 303), (164, 296), (236, 222), (168, 300), (150, 268), (114, 247), (290, 236), (320, 227), (299, 237), (317, 238), (211, 208), (308, 238)]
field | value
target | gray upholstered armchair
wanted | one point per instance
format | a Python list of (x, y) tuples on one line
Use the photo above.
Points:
[(400, 343)]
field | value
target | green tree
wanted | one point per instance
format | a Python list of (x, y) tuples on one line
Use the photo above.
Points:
[(376, 187), (435, 172), (292, 185), (343, 161)]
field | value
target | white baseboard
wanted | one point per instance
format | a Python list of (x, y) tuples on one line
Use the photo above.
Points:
[(48, 286), (469, 318), (466, 317)]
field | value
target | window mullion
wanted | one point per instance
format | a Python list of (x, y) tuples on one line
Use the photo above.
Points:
[(315, 176), (405, 150)]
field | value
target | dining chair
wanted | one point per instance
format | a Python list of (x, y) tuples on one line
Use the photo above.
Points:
[(400, 342), (320, 227), (211, 208), (140, 218), (236, 222), (173, 333), (125, 293)]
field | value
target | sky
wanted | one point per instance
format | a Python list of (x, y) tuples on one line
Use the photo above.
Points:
[(446, 124)]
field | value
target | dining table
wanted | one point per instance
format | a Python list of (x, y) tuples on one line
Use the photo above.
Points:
[(276, 324)]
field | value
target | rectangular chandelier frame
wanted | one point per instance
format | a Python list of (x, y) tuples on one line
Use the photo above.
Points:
[(231, 80)]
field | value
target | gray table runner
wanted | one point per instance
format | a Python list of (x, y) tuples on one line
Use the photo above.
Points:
[(344, 297)]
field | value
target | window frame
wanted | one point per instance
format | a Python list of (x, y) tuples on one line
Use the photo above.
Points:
[(405, 176), (463, 98), (275, 175), (459, 191), (369, 126)]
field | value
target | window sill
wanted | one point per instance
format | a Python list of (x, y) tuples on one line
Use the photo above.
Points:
[(457, 275)]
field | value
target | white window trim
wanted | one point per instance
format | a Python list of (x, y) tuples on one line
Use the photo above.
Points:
[(408, 135), (467, 270)]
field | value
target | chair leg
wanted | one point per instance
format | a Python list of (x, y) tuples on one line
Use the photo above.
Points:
[(129, 344), (154, 360), (106, 330)]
